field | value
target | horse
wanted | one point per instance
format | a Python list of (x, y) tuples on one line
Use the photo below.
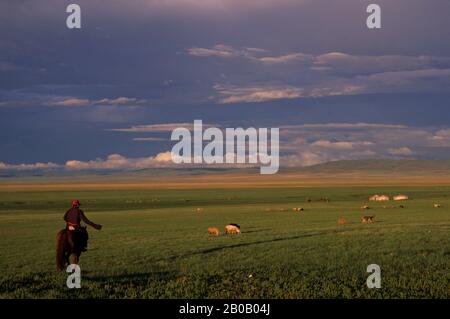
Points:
[(69, 246)]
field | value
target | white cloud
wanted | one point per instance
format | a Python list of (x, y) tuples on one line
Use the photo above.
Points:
[(233, 94), (119, 162), (27, 167), (167, 127), (400, 151), (71, 102), (75, 102), (343, 126), (291, 57), (343, 145), (220, 50)]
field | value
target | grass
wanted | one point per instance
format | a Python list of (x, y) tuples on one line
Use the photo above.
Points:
[(155, 245)]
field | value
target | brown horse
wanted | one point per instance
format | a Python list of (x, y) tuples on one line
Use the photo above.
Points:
[(69, 246)]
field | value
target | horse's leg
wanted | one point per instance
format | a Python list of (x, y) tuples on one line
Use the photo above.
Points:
[(74, 258), (60, 250)]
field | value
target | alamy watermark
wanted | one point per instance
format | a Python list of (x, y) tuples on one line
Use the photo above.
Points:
[(74, 279), (73, 21), (238, 146), (374, 280)]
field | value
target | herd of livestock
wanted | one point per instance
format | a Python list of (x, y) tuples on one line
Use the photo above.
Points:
[(235, 229)]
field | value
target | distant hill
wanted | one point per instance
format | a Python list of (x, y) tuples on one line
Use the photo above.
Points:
[(381, 166)]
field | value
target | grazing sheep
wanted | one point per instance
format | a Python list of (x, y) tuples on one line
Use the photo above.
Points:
[(365, 207), (367, 219), (400, 197), (342, 221), (232, 229), (436, 205), (199, 209), (298, 209), (213, 231)]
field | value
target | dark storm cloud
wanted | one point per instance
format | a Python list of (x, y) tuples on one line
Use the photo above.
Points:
[(224, 61)]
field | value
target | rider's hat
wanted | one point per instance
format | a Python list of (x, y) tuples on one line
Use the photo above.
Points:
[(76, 203)]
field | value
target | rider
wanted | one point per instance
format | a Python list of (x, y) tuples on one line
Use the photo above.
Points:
[(73, 218)]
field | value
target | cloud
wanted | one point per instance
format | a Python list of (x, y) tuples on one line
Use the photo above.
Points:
[(75, 102), (71, 102), (120, 101), (307, 144), (252, 54), (400, 151), (340, 145), (167, 127), (233, 94), (300, 145), (28, 167), (344, 126), (423, 80), (119, 162), (327, 74), (220, 50), (287, 58), (332, 61), (360, 64), (441, 138)]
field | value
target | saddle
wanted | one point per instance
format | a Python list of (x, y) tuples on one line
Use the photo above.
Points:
[(79, 234), (72, 227)]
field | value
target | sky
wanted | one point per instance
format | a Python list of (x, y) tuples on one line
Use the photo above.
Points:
[(109, 94)]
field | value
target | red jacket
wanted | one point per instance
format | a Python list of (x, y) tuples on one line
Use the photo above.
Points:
[(74, 216)]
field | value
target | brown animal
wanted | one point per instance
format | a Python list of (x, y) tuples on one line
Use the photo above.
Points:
[(213, 231), (436, 205), (367, 219), (298, 209), (232, 229), (69, 245), (365, 207), (199, 209), (342, 221)]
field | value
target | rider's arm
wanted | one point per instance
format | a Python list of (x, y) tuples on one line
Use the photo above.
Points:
[(87, 221), (65, 216)]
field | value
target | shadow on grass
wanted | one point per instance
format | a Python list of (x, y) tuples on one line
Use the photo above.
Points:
[(226, 247)]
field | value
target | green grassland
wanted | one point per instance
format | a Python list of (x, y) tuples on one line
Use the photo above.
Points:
[(154, 244)]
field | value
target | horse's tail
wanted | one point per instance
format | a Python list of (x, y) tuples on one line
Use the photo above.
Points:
[(60, 243)]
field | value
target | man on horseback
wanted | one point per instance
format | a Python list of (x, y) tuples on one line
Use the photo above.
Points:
[(73, 218)]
